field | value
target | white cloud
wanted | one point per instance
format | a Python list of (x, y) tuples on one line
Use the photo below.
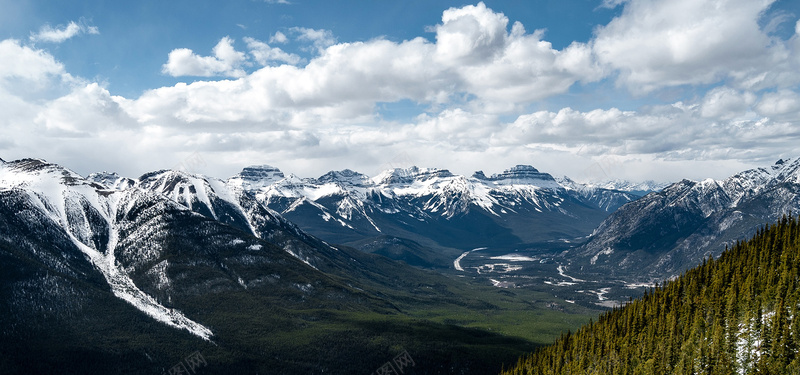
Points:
[(28, 63), (475, 56), (82, 113), (279, 38), (320, 39), (470, 35), (611, 4), (784, 103), (227, 62), (264, 54), (58, 35), (726, 103), (657, 44)]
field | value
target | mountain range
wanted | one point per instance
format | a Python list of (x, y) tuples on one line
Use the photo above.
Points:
[(664, 233), (428, 216)]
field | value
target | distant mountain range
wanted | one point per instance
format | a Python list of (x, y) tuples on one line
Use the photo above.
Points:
[(669, 231), (433, 208)]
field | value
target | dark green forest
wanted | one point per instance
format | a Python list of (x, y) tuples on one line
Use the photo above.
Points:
[(734, 314)]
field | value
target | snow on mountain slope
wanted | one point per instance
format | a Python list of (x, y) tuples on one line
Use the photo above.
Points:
[(230, 203), (639, 188), (665, 232), (445, 194), (256, 177), (87, 212), (434, 206)]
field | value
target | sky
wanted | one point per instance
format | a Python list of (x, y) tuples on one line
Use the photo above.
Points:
[(591, 89)]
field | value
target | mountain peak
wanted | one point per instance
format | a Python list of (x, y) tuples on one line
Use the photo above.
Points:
[(787, 170), (35, 167), (517, 174), (347, 177), (261, 170), (480, 175), (111, 180), (255, 177), (409, 175)]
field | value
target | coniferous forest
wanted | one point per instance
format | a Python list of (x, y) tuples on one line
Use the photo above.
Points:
[(734, 314)]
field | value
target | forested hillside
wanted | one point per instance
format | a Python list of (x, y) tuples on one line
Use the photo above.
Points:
[(735, 314)]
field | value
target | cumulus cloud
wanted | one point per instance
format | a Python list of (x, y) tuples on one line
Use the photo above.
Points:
[(475, 55), (226, 62), (279, 38), (782, 104), (471, 35), (29, 64), (82, 113), (319, 39), (655, 44), (673, 132), (726, 103), (58, 35), (266, 55)]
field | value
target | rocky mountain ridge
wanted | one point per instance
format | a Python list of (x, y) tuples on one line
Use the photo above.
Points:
[(666, 232)]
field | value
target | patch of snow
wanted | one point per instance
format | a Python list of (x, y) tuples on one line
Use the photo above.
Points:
[(560, 283), (457, 262), (641, 285), (607, 251), (561, 272), (515, 258)]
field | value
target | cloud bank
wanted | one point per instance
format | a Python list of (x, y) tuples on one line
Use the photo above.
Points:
[(474, 89)]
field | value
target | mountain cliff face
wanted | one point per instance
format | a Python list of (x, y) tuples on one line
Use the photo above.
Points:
[(434, 207), (666, 232)]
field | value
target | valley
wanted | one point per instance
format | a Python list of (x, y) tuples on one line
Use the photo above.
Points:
[(543, 268)]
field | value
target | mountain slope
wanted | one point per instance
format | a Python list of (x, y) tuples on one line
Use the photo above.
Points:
[(665, 232), (736, 314)]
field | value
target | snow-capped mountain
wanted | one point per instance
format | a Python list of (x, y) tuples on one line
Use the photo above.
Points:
[(434, 206), (666, 232), (158, 243), (638, 188)]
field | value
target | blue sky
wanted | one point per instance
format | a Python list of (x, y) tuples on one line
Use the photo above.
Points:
[(594, 89)]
